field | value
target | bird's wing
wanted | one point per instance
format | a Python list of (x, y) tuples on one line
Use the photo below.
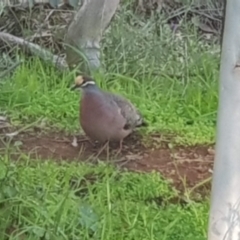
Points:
[(129, 112)]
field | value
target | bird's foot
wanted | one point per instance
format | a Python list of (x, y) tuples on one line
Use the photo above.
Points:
[(119, 149)]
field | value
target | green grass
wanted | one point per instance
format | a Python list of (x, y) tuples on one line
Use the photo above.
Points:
[(187, 109), (173, 80), (79, 201)]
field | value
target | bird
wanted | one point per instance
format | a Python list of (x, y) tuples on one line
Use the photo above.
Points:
[(105, 116)]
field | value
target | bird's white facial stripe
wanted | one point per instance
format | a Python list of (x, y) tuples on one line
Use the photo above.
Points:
[(88, 83)]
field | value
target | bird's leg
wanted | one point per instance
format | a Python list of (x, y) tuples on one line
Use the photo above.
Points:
[(120, 147), (101, 150)]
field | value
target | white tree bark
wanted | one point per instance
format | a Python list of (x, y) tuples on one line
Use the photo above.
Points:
[(224, 222), (85, 32)]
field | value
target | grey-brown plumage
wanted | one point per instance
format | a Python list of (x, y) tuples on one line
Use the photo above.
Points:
[(105, 116)]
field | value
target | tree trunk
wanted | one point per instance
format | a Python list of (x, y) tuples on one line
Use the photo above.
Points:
[(224, 222), (85, 32)]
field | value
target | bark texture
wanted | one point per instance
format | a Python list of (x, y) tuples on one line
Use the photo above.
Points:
[(85, 32), (225, 203)]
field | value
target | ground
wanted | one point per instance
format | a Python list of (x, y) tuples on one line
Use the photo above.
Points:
[(186, 167)]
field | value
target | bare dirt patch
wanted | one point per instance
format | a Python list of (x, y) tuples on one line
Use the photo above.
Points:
[(185, 166)]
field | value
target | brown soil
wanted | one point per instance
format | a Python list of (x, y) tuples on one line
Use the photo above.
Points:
[(187, 167)]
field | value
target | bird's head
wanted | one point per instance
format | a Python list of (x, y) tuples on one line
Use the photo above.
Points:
[(82, 82)]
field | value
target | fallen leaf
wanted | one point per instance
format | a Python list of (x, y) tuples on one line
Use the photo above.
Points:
[(74, 142), (18, 143), (13, 134)]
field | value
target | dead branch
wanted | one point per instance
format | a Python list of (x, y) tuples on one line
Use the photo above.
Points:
[(34, 49)]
